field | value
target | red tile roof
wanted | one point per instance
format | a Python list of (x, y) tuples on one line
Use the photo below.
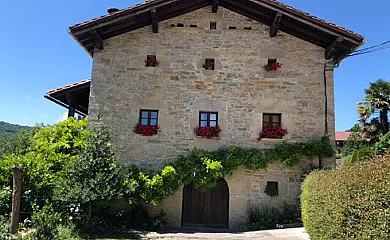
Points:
[(68, 86), (342, 136), (273, 2)]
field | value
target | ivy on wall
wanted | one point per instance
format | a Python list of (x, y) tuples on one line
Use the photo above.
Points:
[(203, 168)]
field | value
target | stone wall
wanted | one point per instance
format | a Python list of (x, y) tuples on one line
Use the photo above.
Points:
[(239, 89)]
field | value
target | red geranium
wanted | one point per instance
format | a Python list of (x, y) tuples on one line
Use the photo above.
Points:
[(272, 132), (146, 130), (152, 62), (207, 132), (272, 67)]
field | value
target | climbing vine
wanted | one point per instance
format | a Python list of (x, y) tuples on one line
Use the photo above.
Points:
[(203, 168)]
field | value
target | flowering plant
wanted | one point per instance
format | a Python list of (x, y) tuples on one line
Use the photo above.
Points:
[(152, 62), (207, 132), (208, 66), (272, 67), (270, 132), (146, 130)]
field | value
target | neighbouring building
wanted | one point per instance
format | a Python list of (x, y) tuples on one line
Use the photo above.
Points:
[(207, 67), (341, 137)]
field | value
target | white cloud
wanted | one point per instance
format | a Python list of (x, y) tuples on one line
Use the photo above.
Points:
[(63, 117)]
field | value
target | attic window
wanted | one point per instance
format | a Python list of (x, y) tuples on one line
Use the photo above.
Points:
[(248, 28), (271, 61), (209, 64), (180, 25), (151, 61), (193, 26), (213, 25), (232, 28)]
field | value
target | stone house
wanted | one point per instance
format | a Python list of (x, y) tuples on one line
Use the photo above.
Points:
[(211, 55)]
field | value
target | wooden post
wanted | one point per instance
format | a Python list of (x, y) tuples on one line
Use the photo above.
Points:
[(16, 195)]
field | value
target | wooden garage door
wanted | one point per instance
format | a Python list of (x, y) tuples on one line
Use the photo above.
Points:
[(208, 209)]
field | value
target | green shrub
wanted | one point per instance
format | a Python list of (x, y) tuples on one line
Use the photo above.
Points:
[(66, 232), (5, 200), (46, 222), (4, 230), (269, 218), (383, 145), (348, 203)]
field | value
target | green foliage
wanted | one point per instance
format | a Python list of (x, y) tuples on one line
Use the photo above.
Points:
[(66, 232), (354, 143), (5, 197), (268, 218), (203, 168), (4, 230), (348, 203), (46, 221), (45, 154), (355, 128), (383, 145), (376, 101), (8, 130)]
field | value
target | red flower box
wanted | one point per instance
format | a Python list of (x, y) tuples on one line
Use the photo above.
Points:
[(270, 132), (152, 62), (272, 67), (146, 130), (207, 132)]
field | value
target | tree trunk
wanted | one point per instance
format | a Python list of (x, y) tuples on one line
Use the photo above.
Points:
[(384, 120), (88, 222)]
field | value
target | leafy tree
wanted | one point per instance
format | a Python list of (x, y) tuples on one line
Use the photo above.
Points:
[(376, 101), (355, 128), (355, 142), (94, 175)]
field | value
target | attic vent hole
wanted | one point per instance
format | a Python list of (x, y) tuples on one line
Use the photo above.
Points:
[(248, 28), (194, 26), (180, 25), (173, 25), (232, 28)]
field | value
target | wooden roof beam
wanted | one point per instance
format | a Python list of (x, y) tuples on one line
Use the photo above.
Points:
[(154, 20), (98, 40), (332, 48), (215, 6), (275, 25)]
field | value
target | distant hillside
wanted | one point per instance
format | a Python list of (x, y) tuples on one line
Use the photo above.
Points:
[(8, 130)]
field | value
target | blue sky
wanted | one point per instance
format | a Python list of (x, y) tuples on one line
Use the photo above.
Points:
[(37, 54)]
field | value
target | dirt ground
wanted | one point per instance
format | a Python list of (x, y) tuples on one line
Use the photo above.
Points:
[(280, 234)]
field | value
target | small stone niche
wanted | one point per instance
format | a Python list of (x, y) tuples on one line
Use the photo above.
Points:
[(213, 25), (193, 26), (232, 27), (180, 25)]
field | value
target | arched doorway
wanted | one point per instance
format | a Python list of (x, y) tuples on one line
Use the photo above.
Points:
[(209, 209)]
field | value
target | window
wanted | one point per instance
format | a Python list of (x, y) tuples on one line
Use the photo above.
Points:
[(193, 26), (272, 61), (149, 57), (208, 119), (272, 189), (232, 28), (272, 120), (180, 25), (148, 117), (213, 25), (209, 64)]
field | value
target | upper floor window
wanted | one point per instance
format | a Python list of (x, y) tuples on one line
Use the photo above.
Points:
[(208, 119), (209, 64), (148, 117), (151, 61), (272, 120)]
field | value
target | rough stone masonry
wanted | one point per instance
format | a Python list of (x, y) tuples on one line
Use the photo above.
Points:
[(239, 89)]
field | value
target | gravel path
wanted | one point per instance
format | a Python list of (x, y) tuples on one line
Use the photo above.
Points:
[(282, 234)]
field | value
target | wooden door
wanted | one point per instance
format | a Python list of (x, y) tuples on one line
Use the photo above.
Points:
[(208, 209)]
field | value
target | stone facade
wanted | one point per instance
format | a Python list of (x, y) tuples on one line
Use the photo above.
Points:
[(239, 89)]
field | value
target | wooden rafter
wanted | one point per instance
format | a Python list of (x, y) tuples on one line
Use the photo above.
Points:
[(215, 6), (154, 20), (332, 48), (275, 25), (98, 40)]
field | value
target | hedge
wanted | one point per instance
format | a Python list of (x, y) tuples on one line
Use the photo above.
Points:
[(352, 202)]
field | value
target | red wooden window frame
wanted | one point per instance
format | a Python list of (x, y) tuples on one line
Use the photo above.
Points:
[(149, 116), (271, 120), (208, 119)]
